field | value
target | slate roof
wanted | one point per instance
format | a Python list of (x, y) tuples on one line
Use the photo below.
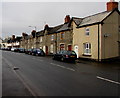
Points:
[(40, 33), (77, 20), (5, 40), (18, 38), (55, 29), (28, 37), (64, 27), (94, 18)]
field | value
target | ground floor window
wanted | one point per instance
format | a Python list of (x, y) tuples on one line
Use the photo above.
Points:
[(51, 48), (62, 46), (87, 48)]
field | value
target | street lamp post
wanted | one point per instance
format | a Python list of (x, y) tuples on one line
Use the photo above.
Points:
[(35, 35)]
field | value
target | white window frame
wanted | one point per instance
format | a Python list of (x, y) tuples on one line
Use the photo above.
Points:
[(87, 31), (62, 35), (63, 45), (52, 37), (51, 48), (41, 39), (87, 48)]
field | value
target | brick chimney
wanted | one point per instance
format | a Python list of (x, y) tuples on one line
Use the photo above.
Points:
[(111, 5), (46, 27), (13, 37), (24, 34), (67, 19)]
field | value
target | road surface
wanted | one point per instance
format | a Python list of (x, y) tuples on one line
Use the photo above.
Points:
[(27, 75)]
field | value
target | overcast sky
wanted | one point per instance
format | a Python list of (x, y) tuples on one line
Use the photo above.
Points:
[(17, 16)]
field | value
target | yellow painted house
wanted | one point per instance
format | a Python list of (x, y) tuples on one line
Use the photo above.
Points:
[(98, 36)]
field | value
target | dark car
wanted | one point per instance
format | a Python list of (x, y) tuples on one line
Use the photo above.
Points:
[(38, 52), (29, 51), (8, 49), (65, 55), (26, 51), (21, 50)]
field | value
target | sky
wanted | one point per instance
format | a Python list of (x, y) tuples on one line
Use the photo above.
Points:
[(16, 16)]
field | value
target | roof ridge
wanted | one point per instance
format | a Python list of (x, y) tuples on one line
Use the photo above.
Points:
[(77, 18), (97, 14)]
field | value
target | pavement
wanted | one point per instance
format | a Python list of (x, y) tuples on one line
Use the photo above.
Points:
[(42, 76)]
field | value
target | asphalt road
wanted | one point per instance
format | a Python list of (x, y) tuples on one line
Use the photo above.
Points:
[(42, 76)]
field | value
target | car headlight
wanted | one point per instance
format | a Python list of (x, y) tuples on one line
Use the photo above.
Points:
[(38, 52)]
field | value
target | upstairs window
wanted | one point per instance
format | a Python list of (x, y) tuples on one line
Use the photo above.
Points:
[(62, 35), (40, 39), (52, 37), (87, 31), (51, 48)]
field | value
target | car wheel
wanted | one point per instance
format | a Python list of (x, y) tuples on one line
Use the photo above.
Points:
[(62, 59), (42, 54), (36, 54), (53, 58)]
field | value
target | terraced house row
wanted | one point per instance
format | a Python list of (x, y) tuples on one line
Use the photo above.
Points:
[(95, 37)]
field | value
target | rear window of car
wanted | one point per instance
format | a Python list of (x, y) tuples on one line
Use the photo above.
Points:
[(71, 52), (38, 49)]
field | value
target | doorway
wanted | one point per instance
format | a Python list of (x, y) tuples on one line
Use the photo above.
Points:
[(76, 50)]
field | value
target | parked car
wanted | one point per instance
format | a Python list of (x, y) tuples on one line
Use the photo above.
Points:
[(38, 52), (64, 55), (4, 48), (28, 51), (14, 49), (21, 50), (8, 49)]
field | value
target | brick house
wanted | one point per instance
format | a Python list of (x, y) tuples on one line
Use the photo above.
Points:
[(51, 39), (47, 39)]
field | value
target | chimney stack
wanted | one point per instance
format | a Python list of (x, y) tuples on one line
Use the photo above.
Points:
[(67, 19), (111, 5), (46, 27), (13, 37)]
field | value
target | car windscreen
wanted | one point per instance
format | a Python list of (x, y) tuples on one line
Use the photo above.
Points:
[(38, 50)]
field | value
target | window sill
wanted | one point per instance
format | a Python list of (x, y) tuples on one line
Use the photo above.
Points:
[(87, 55)]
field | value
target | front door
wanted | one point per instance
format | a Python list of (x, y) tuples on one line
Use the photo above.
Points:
[(46, 50), (76, 50), (69, 47)]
